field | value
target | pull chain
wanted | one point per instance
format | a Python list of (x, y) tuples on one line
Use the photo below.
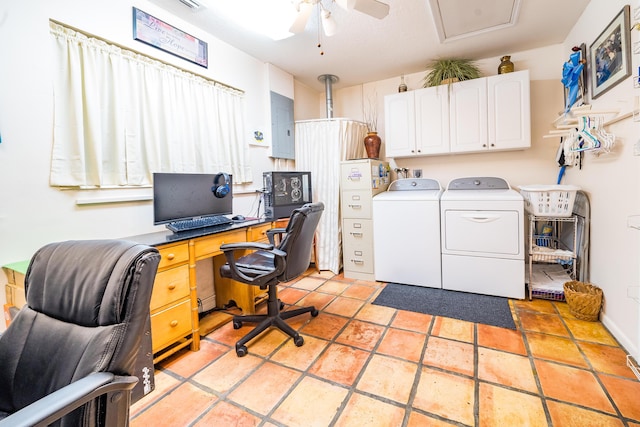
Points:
[(320, 31)]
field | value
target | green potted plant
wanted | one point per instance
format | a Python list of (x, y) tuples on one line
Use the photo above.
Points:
[(450, 70)]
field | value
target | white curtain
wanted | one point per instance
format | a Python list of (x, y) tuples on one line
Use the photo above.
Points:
[(120, 116), (320, 147)]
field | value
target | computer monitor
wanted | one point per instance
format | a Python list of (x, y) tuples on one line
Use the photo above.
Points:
[(183, 196)]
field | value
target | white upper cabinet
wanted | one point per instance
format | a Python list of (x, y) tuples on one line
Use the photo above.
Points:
[(509, 109), (490, 113), (468, 115), (400, 124), (417, 122)]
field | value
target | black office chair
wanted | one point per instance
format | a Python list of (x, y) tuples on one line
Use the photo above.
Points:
[(67, 357), (269, 265)]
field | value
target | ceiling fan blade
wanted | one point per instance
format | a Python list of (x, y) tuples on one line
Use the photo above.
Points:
[(374, 8), (301, 19)]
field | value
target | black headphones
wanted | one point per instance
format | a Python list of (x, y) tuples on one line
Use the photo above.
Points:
[(220, 190)]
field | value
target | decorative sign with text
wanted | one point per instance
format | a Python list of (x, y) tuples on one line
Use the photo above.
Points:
[(159, 34)]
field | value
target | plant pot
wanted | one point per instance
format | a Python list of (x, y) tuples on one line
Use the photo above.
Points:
[(372, 144)]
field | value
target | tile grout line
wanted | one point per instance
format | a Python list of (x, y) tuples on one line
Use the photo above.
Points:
[(591, 369), (534, 370)]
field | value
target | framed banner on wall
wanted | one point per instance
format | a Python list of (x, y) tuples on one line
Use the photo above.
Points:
[(159, 34)]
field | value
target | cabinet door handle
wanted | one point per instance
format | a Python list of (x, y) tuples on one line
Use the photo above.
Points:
[(170, 257), (173, 323)]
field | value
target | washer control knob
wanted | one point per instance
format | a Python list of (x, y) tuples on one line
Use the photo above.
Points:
[(476, 182)]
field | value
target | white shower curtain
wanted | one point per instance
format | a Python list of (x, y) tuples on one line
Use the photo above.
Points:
[(320, 147)]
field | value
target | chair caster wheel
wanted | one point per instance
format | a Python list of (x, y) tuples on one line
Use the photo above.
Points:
[(241, 351), (298, 341), (314, 313), (281, 305), (237, 324)]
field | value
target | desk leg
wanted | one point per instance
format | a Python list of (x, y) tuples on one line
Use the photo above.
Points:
[(195, 321), (227, 289)]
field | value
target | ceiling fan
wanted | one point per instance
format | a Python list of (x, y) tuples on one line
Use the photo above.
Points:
[(373, 8)]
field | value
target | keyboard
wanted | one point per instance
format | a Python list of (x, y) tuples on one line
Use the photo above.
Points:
[(192, 224)]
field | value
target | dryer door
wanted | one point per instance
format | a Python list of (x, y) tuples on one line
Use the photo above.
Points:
[(482, 233)]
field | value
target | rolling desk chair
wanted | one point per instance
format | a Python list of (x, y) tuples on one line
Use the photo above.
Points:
[(269, 265), (69, 353)]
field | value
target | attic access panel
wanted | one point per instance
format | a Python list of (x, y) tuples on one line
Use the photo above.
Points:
[(457, 19)]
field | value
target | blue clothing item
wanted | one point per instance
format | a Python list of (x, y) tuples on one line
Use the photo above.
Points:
[(571, 71)]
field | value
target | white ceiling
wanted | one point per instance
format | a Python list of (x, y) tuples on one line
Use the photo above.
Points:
[(366, 49)]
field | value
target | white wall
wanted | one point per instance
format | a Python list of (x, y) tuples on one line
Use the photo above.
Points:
[(32, 213), (613, 183)]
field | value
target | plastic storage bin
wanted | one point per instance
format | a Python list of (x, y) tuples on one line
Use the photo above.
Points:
[(549, 200)]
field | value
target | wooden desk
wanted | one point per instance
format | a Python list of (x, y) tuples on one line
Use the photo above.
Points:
[(14, 289), (175, 321)]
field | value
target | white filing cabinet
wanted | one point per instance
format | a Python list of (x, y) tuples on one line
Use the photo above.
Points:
[(360, 180)]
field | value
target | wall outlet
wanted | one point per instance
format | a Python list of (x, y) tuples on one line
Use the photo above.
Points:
[(636, 148)]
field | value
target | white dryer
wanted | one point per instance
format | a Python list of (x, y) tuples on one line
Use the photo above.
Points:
[(406, 233), (482, 222)]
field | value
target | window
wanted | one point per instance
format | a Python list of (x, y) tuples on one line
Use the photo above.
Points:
[(120, 116)]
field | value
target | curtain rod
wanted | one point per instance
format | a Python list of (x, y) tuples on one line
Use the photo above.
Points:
[(143, 54)]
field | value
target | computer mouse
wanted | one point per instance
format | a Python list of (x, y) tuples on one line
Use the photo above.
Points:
[(238, 218)]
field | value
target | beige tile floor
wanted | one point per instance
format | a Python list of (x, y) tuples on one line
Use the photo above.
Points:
[(367, 365)]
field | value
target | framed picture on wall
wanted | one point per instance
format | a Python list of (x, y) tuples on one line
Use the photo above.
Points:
[(610, 55)]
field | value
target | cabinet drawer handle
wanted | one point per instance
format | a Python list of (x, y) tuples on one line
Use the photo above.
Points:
[(173, 323), (356, 234), (355, 206), (357, 261), (170, 257), (171, 287)]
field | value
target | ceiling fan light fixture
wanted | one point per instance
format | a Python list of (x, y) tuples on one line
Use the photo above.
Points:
[(374, 8), (328, 23), (346, 4)]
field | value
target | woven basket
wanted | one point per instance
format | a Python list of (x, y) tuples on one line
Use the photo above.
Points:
[(584, 299)]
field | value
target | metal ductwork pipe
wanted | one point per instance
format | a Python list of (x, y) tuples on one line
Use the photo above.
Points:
[(328, 80)]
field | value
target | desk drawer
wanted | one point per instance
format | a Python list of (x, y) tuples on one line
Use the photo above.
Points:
[(167, 326), (170, 285), (208, 246), (258, 233), (173, 255)]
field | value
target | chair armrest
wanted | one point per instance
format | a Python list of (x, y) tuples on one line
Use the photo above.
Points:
[(271, 233), (245, 245), (69, 398)]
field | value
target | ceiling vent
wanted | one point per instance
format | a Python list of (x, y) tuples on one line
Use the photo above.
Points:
[(191, 3), (458, 19)]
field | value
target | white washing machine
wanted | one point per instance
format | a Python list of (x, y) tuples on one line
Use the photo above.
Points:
[(406, 233), (482, 221)]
